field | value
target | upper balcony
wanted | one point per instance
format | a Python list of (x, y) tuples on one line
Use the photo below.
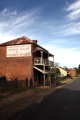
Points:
[(42, 61)]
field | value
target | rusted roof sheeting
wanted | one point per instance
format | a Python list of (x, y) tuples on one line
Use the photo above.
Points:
[(21, 40)]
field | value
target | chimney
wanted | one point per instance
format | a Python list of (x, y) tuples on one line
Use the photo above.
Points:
[(35, 41)]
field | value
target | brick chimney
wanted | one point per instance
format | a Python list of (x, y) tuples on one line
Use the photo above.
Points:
[(35, 41)]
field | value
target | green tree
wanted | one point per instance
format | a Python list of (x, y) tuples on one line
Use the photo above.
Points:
[(78, 69), (56, 72)]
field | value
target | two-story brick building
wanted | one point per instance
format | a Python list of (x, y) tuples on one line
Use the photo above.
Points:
[(23, 58)]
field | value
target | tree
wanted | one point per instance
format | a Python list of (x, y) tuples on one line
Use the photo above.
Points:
[(56, 64), (78, 69), (56, 72)]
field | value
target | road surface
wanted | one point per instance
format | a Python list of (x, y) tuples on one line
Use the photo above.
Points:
[(63, 104)]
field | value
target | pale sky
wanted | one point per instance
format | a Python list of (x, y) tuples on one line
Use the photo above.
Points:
[(54, 23)]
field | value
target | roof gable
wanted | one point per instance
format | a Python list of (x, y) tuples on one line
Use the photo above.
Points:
[(21, 40), (62, 69)]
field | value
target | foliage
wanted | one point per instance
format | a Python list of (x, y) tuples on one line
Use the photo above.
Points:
[(56, 72), (77, 69)]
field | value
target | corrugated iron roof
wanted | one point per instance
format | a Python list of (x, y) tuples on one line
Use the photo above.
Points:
[(21, 40)]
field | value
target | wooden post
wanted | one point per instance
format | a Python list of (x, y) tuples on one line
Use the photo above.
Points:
[(44, 80), (44, 74), (48, 59), (50, 80), (41, 57), (53, 59)]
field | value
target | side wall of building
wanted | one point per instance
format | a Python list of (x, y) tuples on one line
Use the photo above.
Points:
[(14, 67), (72, 73), (63, 72)]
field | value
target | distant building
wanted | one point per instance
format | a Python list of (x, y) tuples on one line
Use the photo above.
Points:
[(23, 58), (72, 72), (62, 71)]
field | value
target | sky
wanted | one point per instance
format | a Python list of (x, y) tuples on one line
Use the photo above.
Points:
[(54, 23)]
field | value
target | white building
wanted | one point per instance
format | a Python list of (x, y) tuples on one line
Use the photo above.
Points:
[(63, 72)]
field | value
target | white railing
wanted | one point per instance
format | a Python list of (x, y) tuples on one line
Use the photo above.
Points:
[(39, 61)]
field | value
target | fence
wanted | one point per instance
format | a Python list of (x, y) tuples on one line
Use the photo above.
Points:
[(15, 84)]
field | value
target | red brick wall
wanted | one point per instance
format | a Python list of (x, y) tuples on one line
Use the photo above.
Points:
[(18, 67), (72, 72)]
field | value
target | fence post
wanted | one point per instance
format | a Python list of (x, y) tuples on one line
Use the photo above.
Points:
[(31, 83), (27, 82)]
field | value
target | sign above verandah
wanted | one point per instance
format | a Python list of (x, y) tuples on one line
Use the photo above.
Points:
[(18, 51)]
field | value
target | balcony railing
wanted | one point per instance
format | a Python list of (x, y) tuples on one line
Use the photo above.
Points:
[(39, 61)]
